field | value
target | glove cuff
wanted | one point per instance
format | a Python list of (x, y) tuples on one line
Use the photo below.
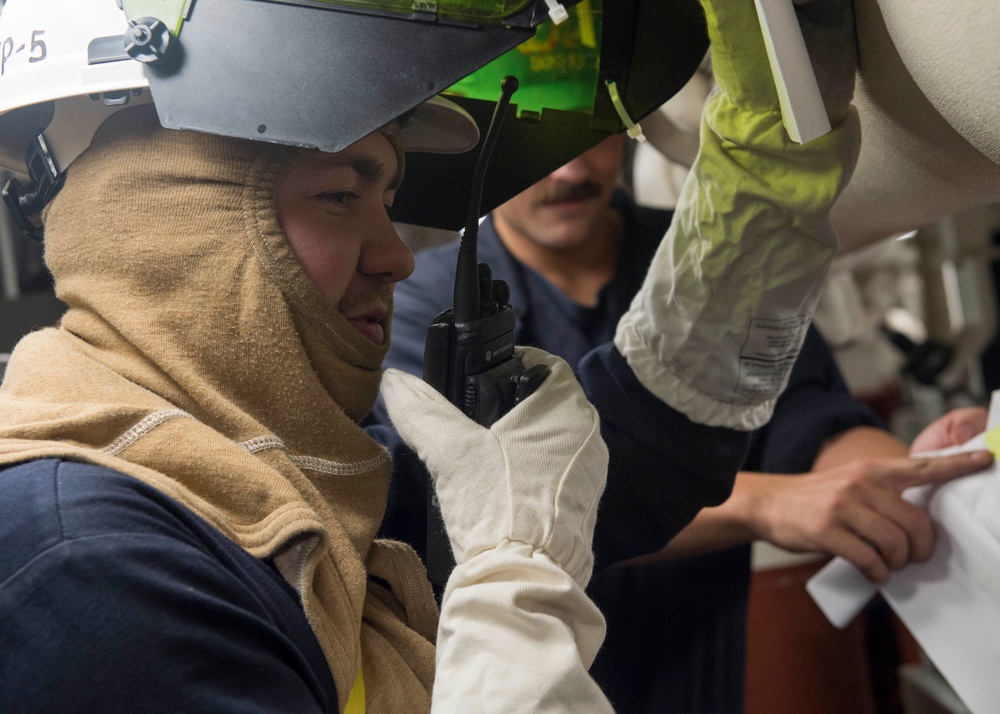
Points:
[(698, 406), (527, 576)]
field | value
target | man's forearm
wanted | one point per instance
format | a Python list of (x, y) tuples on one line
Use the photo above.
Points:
[(744, 517)]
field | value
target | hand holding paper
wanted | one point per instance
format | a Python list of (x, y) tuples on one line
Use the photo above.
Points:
[(952, 599)]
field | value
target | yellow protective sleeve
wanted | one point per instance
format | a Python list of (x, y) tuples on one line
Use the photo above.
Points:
[(721, 316)]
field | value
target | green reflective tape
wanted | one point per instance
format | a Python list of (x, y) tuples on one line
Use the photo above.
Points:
[(558, 68), (585, 19)]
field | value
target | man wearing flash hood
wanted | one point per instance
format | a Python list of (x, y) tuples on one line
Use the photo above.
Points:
[(189, 507)]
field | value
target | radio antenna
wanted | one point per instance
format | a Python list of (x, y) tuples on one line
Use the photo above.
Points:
[(466, 305)]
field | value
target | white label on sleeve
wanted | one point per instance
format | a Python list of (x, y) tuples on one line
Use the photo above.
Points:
[(769, 353)]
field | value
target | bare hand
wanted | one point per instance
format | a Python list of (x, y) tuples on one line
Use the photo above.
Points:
[(856, 510), (954, 428)]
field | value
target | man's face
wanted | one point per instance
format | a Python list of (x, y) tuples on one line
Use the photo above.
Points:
[(333, 209), (562, 210)]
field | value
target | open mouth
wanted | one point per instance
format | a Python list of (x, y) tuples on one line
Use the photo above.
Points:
[(370, 327)]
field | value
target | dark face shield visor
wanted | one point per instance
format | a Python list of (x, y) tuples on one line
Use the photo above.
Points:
[(325, 73)]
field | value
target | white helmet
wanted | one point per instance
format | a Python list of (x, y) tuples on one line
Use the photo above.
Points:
[(64, 69), (323, 74), (50, 69)]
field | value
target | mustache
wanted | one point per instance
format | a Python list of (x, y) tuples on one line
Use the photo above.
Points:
[(377, 295), (560, 191)]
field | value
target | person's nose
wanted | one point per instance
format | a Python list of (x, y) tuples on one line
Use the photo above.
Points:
[(575, 171), (385, 256)]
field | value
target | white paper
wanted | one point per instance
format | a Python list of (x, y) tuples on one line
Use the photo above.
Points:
[(951, 603)]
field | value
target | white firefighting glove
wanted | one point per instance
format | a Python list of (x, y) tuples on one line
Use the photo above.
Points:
[(722, 314), (519, 502)]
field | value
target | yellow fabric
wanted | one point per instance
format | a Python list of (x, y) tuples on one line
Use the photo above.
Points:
[(993, 441), (356, 702), (197, 356), (724, 308)]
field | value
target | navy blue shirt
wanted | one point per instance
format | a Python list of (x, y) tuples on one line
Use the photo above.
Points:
[(115, 598), (676, 630), (640, 509)]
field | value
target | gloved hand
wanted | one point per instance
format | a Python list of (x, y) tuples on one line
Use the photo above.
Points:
[(534, 477), (519, 500), (724, 309)]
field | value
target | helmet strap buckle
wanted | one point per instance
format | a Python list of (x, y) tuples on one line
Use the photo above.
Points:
[(26, 201)]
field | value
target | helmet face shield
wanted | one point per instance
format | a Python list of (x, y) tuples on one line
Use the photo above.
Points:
[(325, 79), (648, 49), (326, 73)]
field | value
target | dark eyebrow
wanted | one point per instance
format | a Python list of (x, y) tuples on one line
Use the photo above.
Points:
[(368, 169)]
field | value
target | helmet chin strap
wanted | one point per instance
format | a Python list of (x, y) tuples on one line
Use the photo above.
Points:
[(25, 201)]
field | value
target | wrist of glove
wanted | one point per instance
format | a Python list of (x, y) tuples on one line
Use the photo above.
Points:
[(523, 573), (513, 613), (724, 309), (534, 477)]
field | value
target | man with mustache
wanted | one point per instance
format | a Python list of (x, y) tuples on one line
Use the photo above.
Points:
[(574, 248)]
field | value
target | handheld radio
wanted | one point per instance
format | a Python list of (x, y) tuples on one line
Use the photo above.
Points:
[(469, 354)]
